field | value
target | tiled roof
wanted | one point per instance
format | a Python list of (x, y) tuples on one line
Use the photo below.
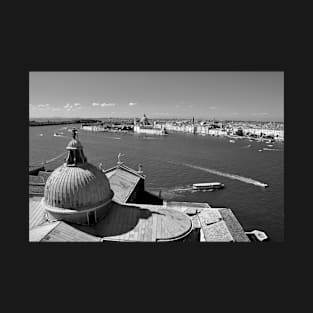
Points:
[(36, 212), (122, 183), (217, 232), (233, 225), (36, 190), (220, 225), (39, 232), (60, 232), (124, 168), (137, 223), (34, 179), (45, 175)]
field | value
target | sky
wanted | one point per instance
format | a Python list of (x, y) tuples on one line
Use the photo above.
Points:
[(203, 95)]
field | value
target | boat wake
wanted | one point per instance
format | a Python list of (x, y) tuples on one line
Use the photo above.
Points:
[(55, 158), (228, 175), (62, 136), (112, 137), (181, 189)]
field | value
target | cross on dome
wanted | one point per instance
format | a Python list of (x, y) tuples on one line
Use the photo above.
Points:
[(74, 133)]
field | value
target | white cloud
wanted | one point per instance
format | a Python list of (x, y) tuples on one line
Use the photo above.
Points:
[(132, 103), (69, 107), (107, 104), (43, 105), (104, 104)]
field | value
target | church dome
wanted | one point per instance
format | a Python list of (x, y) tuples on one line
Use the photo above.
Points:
[(77, 188), (144, 119), (77, 191)]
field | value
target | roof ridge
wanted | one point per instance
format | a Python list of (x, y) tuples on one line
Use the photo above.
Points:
[(131, 170), (126, 168)]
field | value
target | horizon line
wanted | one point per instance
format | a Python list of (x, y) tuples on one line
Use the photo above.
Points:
[(164, 118)]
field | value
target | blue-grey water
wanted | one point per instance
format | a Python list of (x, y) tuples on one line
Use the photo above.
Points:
[(173, 163)]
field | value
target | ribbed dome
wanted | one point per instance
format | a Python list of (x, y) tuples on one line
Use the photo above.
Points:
[(144, 119), (74, 144), (77, 188)]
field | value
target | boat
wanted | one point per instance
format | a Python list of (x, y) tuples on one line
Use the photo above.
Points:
[(206, 186), (58, 134), (40, 134), (232, 141), (257, 235)]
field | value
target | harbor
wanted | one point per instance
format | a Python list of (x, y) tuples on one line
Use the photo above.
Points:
[(239, 193), (127, 212)]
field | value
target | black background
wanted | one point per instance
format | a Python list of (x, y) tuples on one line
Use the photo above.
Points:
[(81, 38)]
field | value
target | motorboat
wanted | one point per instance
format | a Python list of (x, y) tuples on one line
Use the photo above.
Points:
[(207, 186), (257, 235), (232, 141)]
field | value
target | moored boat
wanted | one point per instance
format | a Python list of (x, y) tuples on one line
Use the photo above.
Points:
[(207, 186), (257, 235)]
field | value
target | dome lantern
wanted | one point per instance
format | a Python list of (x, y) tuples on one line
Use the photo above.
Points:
[(75, 151), (144, 120)]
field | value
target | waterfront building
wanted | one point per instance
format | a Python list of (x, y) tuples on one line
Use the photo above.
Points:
[(82, 202), (277, 134), (92, 127), (145, 127), (217, 132)]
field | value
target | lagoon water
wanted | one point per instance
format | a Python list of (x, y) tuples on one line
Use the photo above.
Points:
[(173, 163)]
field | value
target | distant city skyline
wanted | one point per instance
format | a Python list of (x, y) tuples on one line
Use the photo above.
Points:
[(203, 95)]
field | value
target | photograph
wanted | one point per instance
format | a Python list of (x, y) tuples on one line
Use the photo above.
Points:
[(156, 156)]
